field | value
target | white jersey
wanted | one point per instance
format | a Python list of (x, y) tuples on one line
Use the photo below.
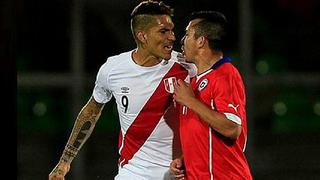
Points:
[(142, 95)]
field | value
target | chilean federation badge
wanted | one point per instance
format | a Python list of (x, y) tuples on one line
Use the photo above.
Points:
[(202, 84)]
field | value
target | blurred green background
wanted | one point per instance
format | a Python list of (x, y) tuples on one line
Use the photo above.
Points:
[(60, 45)]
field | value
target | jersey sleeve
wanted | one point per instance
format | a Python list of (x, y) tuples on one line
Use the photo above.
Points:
[(229, 97), (101, 92)]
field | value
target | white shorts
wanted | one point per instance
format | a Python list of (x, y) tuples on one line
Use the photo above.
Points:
[(153, 173)]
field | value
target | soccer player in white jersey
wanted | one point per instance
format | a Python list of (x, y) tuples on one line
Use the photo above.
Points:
[(141, 81)]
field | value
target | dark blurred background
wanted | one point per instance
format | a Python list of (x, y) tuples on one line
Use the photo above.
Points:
[(58, 47)]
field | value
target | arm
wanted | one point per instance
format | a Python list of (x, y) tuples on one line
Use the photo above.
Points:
[(81, 131), (218, 121)]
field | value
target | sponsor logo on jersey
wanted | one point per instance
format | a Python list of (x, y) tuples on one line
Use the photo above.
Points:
[(124, 90), (203, 84), (169, 84), (234, 107)]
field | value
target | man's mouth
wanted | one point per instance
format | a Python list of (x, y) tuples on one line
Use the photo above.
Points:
[(168, 48)]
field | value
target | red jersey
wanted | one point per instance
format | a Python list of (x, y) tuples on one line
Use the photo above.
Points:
[(207, 154)]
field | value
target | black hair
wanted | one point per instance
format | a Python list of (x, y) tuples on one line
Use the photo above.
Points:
[(213, 16), (212, 26), (152, 8)]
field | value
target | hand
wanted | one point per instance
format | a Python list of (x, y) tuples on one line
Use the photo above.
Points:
[(190, 67), (58, 173), (183, 93), (176, 168)]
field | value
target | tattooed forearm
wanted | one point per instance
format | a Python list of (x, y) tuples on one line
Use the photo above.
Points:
[(82, 134), (69, 153), (82, 129)]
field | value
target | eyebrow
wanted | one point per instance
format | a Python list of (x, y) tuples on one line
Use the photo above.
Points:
[(166, 28)]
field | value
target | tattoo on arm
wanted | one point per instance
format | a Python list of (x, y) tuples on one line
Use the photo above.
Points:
[(82, 129), (82, 134)]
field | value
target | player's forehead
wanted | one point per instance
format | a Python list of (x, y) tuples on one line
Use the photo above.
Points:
[(192, 23), (163, 21)]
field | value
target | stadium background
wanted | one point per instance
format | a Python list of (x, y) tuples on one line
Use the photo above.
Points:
[(59, 45)]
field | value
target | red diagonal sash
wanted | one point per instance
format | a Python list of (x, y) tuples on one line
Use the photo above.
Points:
[(149, 117)]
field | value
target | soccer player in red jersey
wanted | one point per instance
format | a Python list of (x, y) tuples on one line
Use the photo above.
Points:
[(213, 125)]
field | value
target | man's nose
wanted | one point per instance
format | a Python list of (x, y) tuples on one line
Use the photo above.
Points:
[(172, 36)]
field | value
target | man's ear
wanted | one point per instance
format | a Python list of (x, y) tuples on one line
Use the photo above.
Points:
[(141, 36), (201, 41)]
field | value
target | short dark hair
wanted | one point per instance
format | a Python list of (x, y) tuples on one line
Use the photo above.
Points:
[(142, 14), (152, 8), (212, 26)]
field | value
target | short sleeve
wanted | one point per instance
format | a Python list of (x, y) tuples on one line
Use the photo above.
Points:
[(229, 97), (101, 92)]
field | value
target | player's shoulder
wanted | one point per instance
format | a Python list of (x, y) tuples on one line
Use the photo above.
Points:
[(119, 57), (227, 67), (224, 69), (227, 71), (116, 60)]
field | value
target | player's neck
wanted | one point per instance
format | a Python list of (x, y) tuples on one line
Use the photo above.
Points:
[(145, 59), (206, 60)]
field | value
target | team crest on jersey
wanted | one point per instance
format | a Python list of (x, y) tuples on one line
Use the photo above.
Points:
[(169, 84), (202, 84)]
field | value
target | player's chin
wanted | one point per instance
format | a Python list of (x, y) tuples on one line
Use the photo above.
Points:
[(167, 56)]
